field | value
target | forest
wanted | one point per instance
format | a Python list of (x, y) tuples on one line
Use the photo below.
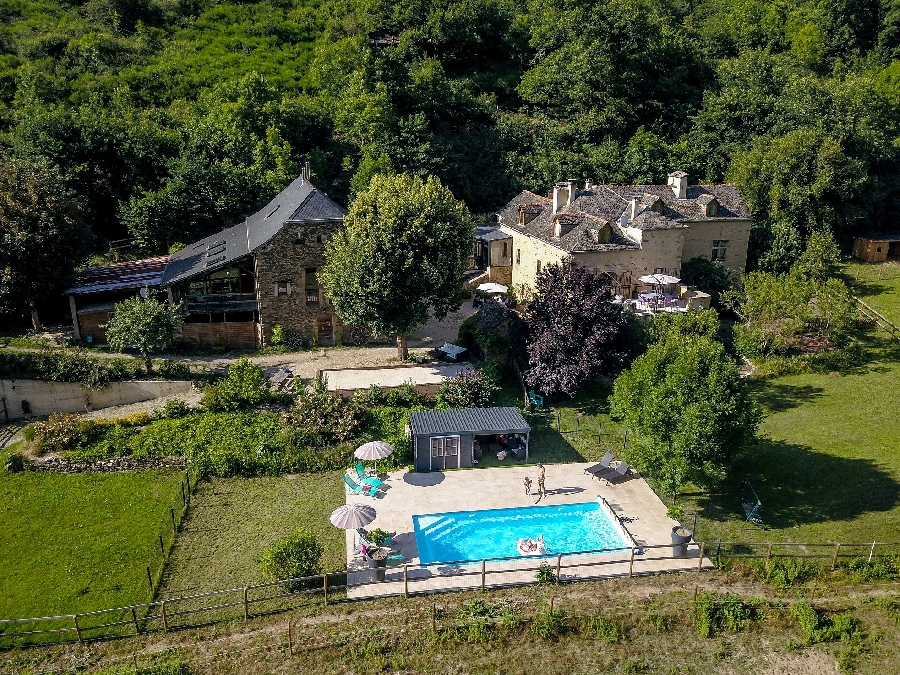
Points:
[(163, 120)]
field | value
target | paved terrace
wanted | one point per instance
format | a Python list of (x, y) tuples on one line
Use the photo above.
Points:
[(408, 494)]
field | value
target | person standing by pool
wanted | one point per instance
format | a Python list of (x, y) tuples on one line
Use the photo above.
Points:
[(541, 474), (527, 484)]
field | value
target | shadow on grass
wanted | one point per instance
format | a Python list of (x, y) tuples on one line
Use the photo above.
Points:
[(798, 486), (778, 397)]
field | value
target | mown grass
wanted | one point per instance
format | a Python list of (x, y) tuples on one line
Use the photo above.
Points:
[(232, 520), (877, 284), (77, 543)]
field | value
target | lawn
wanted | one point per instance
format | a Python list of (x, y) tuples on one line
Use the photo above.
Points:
[(76, 543), (232, 520), (878, 285)]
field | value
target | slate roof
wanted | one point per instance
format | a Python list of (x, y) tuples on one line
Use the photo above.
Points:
[(490, 233), (121, 276), (467, 420), (299, 202), (607, 203)]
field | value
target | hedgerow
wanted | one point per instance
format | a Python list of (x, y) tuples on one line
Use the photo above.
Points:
[(68, 366)]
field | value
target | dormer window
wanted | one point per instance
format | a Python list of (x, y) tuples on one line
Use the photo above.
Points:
[(712, 209), (557, 228)]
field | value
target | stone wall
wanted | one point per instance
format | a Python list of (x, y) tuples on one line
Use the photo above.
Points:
[(283, 263), (699, 238), (67, 397), (526, 252)]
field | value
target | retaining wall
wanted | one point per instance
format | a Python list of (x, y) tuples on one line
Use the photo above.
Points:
[(67, 397)]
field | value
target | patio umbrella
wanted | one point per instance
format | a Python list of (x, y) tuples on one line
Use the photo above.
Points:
[(659, 279), (493, 288), (352, 516), (373, 450)]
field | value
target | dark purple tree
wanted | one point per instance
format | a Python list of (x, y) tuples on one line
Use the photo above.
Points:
[(573, 329)]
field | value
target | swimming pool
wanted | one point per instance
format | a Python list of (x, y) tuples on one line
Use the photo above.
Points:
[(476, 535)]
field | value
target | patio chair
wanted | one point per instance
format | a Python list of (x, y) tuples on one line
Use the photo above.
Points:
[(358, 489), (536, 399), (368, 480), (602, 466), (617, 474)]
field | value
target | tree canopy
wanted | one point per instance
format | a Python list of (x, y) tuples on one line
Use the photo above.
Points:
[(400, 256), (688, 409), (145, 323), (42, 237), (573, 329)]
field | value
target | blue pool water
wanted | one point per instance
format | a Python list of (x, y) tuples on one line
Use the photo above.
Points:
[(475, 535)]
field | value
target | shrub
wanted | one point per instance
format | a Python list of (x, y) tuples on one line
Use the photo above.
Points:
[(708, 275), (546, 575), (703, 323), (278, 335), (404, 396), (174, 370), (549, 624), (714, 612), (819, 627), (174, 409), (14, 463), (63, 431), (319, 418), (370, 397), (475, 389), (880, 568), (786, 572), (297, 555), (245, 385), (598, 627)]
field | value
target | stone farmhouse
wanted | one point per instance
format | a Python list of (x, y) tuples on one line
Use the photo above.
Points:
[(238, 284), (624, 230)]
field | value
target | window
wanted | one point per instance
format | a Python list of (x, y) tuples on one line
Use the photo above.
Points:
[(445, 446), (720, 248), (437, 447), (282, 288), (312, 287), (712, 208), (504, 249), (518, 256), (538, 266)]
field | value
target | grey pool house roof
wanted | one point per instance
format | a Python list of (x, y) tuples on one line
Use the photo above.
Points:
[(467, 421)]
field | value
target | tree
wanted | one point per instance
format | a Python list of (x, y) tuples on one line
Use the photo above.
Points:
[(708, 275), (42, 237), (401, 255), (820, 259), (147, 324), (573, 329), (689, 411)]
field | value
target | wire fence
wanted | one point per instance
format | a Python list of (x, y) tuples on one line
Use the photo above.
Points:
[(414, 579)]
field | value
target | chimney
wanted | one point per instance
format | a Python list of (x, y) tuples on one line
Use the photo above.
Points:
[(634, 208), (561, 197), (587, 184), (573, 190), (678, 181)]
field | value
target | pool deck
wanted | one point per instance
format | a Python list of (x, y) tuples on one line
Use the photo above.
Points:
[(406, 494)]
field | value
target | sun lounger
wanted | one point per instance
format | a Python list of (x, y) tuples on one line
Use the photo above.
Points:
[(617, 473), (364, 479), (603, 465), (358, 489)]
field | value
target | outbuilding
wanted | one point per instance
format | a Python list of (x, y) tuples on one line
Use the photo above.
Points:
[(877, 248), (446, 439)]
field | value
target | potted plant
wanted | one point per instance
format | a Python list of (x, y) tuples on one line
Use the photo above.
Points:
[(378, 561), (379, 537)]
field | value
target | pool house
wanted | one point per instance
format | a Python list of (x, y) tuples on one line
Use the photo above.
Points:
[(454, 439)]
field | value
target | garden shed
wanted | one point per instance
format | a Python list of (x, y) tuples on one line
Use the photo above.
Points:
[(877, 248), (446, 439)]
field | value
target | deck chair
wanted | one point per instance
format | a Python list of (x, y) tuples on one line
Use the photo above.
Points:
[(364, 479), (618, 473), (358, 489), (602, 466), (536, 399)]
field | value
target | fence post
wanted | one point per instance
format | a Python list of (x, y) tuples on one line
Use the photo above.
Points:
[(325, 588), (768, 556), (552, 601), (406, 581), (291, 636), (433, 617), (483, 574), (164, 618), (558, 565), (149, 577), (137, 631), (700, 560), (183, 494), (174, 527), (246, 605), (77, 628), (837, 549), (631, 563), (162, 549), (872, 551)]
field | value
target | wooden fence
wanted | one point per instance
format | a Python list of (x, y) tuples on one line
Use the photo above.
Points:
[(878, 318), (261, 599)]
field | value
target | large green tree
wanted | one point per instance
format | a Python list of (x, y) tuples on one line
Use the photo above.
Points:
[(42, 236), (688, 409), (400, 256)]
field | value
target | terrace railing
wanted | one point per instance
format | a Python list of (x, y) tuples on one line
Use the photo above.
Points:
[(279, 596)]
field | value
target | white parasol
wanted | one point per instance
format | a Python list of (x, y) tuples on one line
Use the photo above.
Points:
[(493, 288), (373, 450), (659, 279), (352, 516)]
